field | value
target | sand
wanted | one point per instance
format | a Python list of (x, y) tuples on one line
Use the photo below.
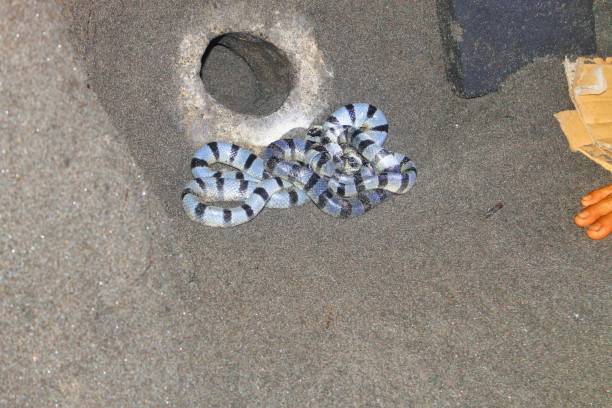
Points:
[(110, 297)]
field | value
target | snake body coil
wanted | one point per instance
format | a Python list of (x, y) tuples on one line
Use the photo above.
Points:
[(341, 166)]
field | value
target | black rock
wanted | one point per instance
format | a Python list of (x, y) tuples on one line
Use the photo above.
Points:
[(486, 40)]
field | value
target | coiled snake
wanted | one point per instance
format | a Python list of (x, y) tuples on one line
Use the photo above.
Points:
[(341, 166)]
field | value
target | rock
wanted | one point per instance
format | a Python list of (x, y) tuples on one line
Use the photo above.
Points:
[(485, 41)]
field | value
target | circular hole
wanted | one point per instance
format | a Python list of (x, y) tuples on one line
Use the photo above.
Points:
[(246, 73)]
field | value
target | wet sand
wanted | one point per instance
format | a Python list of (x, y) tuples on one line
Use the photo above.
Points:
[(109, 296)]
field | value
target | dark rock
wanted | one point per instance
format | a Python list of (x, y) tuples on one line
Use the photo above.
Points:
[(487, 40)]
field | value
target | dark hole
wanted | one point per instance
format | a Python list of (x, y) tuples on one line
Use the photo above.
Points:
[(246, 73)]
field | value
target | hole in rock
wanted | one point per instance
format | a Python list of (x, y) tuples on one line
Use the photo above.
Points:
[(246, 73)]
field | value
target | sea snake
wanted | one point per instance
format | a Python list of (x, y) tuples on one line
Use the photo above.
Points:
[(341, 166)]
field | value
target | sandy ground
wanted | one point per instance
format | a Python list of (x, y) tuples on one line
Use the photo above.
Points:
[(110, 297)]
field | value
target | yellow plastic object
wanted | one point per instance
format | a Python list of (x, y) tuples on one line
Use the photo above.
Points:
[(589, 128)]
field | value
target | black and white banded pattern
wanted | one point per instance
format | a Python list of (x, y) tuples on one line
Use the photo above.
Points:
[(341, 166)]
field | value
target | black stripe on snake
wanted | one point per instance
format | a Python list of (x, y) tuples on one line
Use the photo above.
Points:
[(341, 166)]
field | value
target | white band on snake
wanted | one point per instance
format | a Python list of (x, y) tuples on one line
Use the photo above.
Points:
[(341, 166)]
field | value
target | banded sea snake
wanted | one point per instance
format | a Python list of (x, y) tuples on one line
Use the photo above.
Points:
[(341, 166)]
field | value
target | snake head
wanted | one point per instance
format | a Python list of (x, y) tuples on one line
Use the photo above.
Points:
[(351, 160)]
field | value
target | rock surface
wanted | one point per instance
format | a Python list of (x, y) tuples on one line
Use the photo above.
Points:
[(487, 41)]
